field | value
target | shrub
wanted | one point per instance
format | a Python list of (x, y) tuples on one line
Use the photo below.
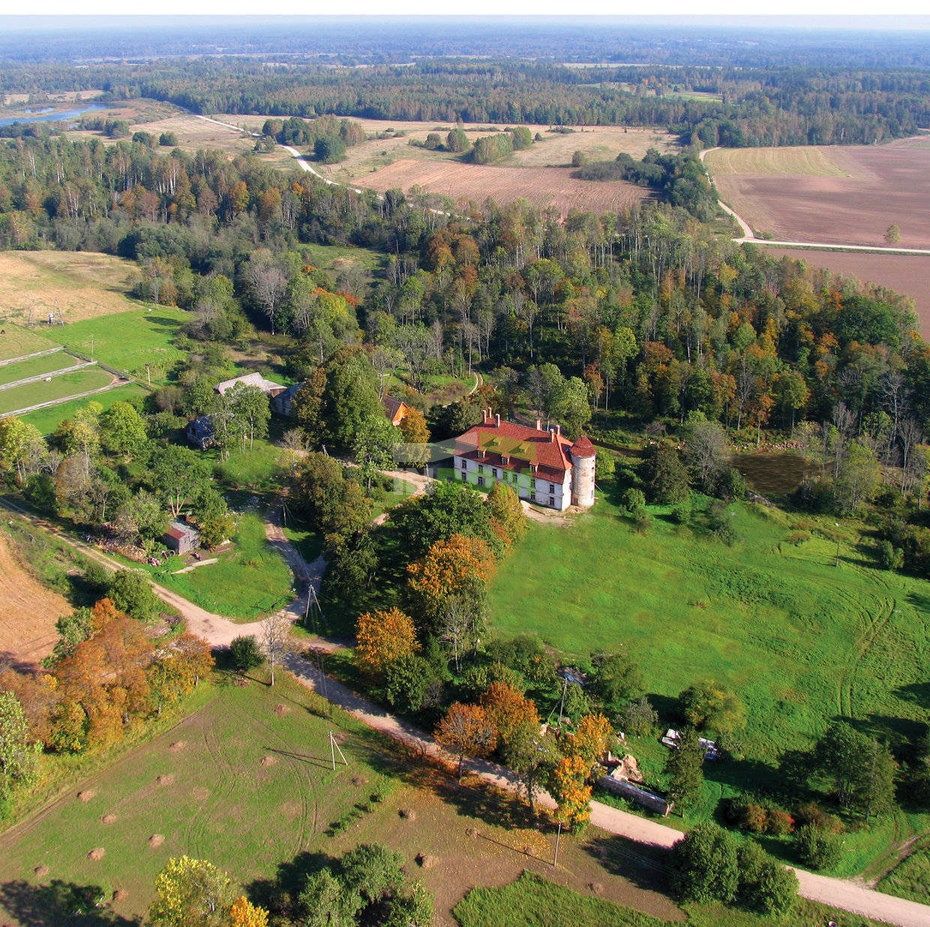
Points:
[(779, 823), (638, 718), (817, 847), (764, 885), (889, 557), (812, 813), (668, 478), (633, 502), (245, 654), (797, 538), (705, 865), (131, 593)]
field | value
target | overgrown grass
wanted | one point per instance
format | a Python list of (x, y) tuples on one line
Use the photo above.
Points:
[(255, 468), (249, 581), (910, 878), (802, 632), (532, 901), (47, 420), (139, 342), (16, 341)]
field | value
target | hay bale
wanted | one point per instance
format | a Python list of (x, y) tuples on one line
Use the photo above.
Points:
[(281, 709), (167, 779), (269, 760), (97, 854), (359, 780), (120, 895), (86, 795), (425, 861), (472, 832), (596, 887), (156, 840), (108, 818), (41, 871), (408, 814), (177, 746)]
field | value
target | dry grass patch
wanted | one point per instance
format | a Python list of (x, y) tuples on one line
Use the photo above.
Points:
[(70, 285), (28, 611), (807, 161)]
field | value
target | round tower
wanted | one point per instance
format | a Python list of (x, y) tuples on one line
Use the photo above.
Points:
[(583, 466)]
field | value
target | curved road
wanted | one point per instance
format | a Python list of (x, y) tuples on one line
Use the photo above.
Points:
[(748, 236)]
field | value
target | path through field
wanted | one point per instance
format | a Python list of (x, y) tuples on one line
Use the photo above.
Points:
[(220, 631)]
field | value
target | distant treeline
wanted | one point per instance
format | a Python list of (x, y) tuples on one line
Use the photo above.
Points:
[(712, 106)]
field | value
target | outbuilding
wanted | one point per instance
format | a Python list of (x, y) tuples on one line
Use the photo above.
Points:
[(181, 537)]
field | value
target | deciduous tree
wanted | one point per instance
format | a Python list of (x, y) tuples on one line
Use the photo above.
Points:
[(466, 730), (382, 637)]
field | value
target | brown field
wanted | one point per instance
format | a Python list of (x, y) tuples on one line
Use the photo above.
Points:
[(908, 274), (554, 150), (834, 195), (73, 285), (28, 611), (542, 186)]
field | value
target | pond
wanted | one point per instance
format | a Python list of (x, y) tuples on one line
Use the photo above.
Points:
[(51, 115), (774, 473)]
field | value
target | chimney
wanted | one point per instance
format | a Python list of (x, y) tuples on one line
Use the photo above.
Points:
[(497, 420), (558, 431), (539, 424), (485, 415), (552, 435)]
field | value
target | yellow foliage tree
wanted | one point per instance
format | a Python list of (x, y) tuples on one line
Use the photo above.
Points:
[(591, 739), (466, 730), (381, 638), (508, 708), (191, 893), (572, 793), (245, 914)]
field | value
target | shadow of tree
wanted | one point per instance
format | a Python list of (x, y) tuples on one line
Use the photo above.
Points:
[(646, 867), (60, 903), (279, 893)]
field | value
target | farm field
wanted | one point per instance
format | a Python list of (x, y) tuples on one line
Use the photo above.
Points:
[(61, 387), (16, 342), (832, 194), (36, 366), (139, 342), (803, 632), (48, 419), (908, 274), (543, 186), (69, 285), (28, 610), (246, 781)]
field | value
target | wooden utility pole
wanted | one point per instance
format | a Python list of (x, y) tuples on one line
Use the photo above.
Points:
[(334, 749)]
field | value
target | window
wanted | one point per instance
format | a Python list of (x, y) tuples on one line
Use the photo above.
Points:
[(552, 501), (494, 472), (481, 468), (464, 475), (481, 481), (464, 463), (552, 487)]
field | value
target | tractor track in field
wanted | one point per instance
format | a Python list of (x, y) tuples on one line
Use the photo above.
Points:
[(877, 622)]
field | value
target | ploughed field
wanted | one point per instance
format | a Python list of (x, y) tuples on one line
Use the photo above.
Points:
[(908, 274), (830, 194), (544, 187)]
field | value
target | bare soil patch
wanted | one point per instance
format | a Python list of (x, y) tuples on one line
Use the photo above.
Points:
[(830, 194), (908, 274), (41, 871), (97, 854), (155, 841), (269, 760), (543, 187), (177, 746), (70, 285), (28, 611), (200, 793)]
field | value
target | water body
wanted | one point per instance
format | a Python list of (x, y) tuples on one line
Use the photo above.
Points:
[(27, 116)]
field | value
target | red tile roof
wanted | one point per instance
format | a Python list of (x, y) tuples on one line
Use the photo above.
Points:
[(583, 447), (517, 447)]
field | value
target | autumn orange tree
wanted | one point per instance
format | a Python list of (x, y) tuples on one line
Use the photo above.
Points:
[(243, 913), (382, 638), (571, 792), (508, 708), (466, 730), (457, 568), (591, 739)]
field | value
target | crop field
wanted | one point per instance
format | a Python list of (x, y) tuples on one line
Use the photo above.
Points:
[(908, 274), (545, 187), (246, 781), (139, 342), (803, 630), (28, 610), (832, 195), (57, 388), (68, 285)]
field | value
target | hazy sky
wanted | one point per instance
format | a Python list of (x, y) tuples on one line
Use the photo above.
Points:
[(520, 7)]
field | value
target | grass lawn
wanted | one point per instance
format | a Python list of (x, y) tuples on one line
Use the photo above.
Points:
[(249, 581), (399, 491), (532, 901), (16, 341), (68, 384), (256, 468), (307, 541), (129, 341), (329, 257), (47, 363), (47, 420), (803, 636)]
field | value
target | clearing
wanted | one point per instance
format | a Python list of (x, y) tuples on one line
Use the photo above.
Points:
[(908, 274), (69, 285), (833, 194), (802, 630), (210, 786), (139, 342), (544, 187), (28, 610)]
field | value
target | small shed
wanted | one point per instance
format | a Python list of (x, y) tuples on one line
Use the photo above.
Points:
[(199, 432), (283, 403), (181, 538), (396, 410)]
